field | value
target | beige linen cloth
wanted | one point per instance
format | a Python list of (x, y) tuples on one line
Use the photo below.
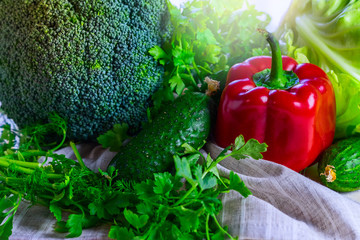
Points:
[(284, 205)]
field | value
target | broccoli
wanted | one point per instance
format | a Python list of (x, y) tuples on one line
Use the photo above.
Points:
[(86, 60)]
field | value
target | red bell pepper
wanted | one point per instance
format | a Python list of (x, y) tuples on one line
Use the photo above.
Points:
[(289, 106)]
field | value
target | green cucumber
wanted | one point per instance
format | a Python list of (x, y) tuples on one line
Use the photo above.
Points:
[(339, 165), (186, 120)]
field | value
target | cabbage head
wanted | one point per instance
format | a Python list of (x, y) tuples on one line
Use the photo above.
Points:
[(327, 33)]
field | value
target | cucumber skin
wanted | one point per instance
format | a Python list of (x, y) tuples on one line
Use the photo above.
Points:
[(186, 120), (344, 156)]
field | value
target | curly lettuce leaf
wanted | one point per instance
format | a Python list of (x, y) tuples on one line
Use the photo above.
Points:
[(326, 33)]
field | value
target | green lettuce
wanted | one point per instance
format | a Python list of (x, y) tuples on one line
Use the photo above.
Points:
[(326, 33)]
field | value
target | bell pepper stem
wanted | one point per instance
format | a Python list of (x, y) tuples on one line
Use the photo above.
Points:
[(276, 61), (277, 77)]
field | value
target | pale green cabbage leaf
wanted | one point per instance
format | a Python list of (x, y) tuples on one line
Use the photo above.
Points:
[(327, 33)]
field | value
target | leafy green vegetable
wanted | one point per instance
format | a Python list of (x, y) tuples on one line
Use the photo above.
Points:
[(183, 205), (326, 33), (209, 36)]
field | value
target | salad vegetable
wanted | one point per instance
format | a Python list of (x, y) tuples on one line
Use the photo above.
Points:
[(291, 107), (326, 33)]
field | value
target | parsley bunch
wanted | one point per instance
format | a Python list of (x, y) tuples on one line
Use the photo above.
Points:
[(209, 36), (182, 205), (185, 205)]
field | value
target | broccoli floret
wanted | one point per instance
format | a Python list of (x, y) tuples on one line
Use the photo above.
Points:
[(87, 61)]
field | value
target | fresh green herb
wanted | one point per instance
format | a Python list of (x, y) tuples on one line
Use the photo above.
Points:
[(170, 206), (51, 135), (209, 36), (185, 205), (115, 137)]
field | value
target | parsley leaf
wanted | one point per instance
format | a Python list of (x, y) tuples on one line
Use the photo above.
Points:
[(121, 233), (6, 228), (238, 185), (251, 148), (159, 54), (162, 184), (135, 220), (74, 225), (189, 219), (56, 210), (115, 137), (76, 222), (183, 169), (177, 84), (205, 182)]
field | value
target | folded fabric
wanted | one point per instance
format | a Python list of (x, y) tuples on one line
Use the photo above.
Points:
[(284, 204)]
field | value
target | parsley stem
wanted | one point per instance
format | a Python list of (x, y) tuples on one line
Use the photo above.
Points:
[(193, 187), (221, 228), (206, 70), (207, 227), (196, 68), (10, 180), (15, 205), (16, 168), (216, 162), (10, 190), (186, 195), (28, 171), (191, 76), (77, 155), (5, 162), (61, 143), (29, 153)]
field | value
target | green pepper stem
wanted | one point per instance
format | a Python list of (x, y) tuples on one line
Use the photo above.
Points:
[(277, 77)]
